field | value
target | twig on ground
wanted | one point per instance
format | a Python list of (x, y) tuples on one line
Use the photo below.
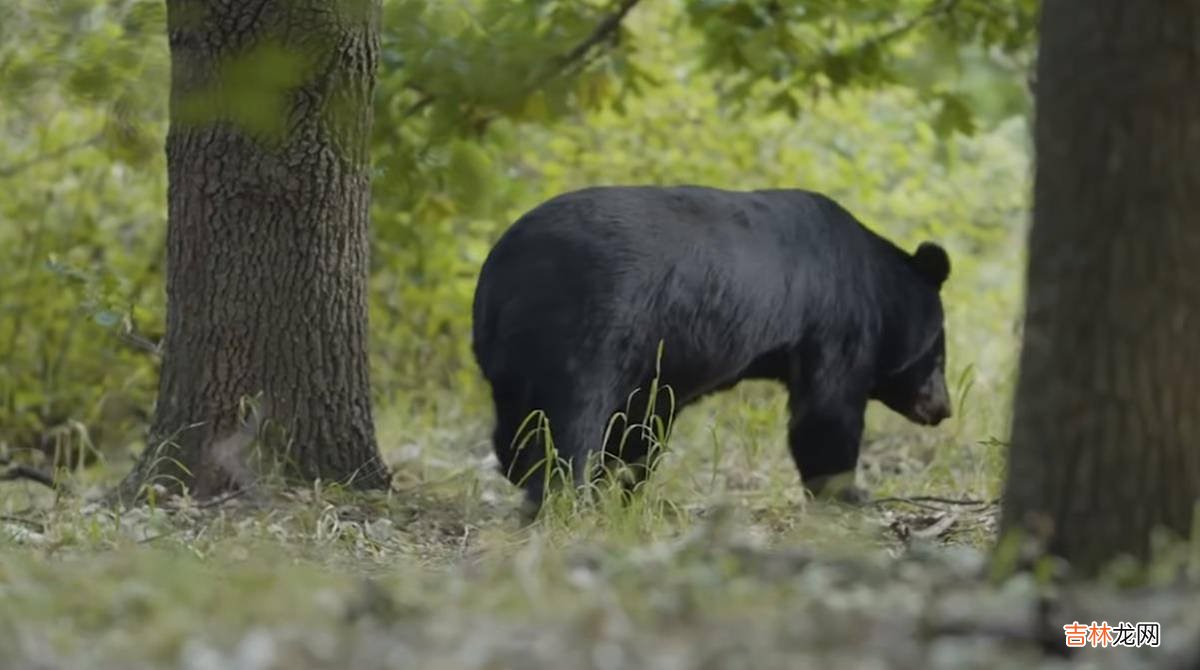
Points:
[(920, 501), (935, 530), (216, 501)]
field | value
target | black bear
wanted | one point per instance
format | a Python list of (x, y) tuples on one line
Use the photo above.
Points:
[(576, 298)]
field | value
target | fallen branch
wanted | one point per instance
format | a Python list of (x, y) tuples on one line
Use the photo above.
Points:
[(920, 501), (25, 472)]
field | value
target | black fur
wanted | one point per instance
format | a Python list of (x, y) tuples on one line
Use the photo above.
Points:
[(780, 284)]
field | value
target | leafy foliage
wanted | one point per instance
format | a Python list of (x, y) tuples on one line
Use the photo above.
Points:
[(779, 51), (82, 219), (484, 108)]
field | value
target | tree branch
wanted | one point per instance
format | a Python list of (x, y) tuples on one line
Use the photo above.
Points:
[(603, 31), (420, 105), (140, 342), (932, 10), (20, 166)]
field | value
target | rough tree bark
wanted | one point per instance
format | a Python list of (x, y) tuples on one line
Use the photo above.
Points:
[(1106, 429), (267, 251)]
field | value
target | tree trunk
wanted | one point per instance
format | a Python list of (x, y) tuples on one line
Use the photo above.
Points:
[(267, 243), (1106, 427)]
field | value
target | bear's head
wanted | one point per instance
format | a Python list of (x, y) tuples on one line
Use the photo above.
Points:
[(916, 387)]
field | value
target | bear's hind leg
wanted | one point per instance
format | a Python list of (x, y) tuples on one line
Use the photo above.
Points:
[(519, 440), (573, 421), (637, 435)]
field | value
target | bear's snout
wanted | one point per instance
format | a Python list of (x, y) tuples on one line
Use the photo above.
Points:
[(933, 407), (940, 413), (930, 414)]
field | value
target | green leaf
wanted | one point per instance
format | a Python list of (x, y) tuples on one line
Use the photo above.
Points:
[(786, 102), (954, 115)]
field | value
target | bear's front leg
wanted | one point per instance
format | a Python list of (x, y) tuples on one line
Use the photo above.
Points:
[(840, 488), (824, 441)]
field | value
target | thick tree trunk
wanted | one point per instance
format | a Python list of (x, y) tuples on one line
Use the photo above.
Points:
[(267, 242), (1106, 431)]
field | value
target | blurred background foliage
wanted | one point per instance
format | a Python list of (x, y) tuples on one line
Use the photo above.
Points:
[(910, 113)]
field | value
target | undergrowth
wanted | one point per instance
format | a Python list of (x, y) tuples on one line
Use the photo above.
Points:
[(719, 562)]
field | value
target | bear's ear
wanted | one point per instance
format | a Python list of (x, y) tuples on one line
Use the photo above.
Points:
[(932, 262)]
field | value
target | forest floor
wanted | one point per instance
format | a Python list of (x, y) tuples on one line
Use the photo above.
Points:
[(722, 563)]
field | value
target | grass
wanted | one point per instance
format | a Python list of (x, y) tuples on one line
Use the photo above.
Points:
[(722, 563)]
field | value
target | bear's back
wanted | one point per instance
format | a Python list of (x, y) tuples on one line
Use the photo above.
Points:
[(689, 213)]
